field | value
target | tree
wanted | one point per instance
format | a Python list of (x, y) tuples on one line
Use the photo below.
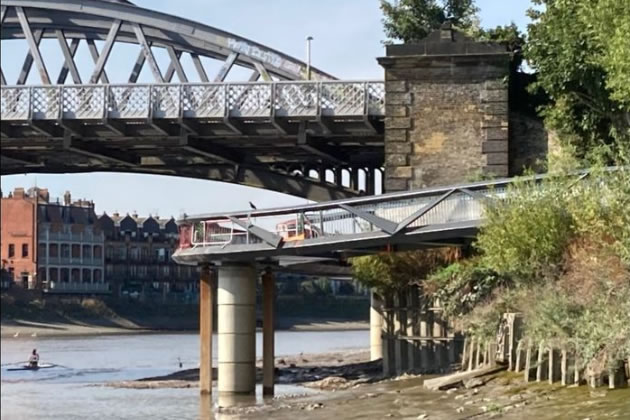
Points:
[(412, 20), (579, 50)]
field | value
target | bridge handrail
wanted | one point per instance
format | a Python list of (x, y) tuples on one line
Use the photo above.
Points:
[(196, 99), (390, 214), (399, 195)]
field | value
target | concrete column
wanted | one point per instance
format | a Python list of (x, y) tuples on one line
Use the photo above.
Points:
[(268, 283), (376, 327), (237, 329), (205, 331)]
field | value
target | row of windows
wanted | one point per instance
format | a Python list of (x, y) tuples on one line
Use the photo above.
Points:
[(177, 271), (71, 275), (137, 253), (11, 251), (71, 251)]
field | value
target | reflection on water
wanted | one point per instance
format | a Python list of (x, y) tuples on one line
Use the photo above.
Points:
[(74, 390)]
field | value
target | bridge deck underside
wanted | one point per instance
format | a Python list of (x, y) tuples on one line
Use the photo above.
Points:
[(337, 248)]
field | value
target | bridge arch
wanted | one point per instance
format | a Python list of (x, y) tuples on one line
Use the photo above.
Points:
[(120, 21)]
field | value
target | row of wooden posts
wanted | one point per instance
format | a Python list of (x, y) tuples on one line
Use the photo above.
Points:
[(537, 361), (417, 339), (415, 336)]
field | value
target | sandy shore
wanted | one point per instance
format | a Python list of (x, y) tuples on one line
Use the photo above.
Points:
[(22, 328)]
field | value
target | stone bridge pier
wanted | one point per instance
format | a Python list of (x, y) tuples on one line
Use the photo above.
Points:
[(446, 122)]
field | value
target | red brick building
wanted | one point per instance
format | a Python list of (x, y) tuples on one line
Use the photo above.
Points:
[(54, 246), (18, 235)]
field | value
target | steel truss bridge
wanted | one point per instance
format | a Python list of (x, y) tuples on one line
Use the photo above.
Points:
[(333, 231), (320, 139)]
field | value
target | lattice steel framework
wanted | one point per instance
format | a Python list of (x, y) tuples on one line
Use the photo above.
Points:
[(119, 21), (321, 139)]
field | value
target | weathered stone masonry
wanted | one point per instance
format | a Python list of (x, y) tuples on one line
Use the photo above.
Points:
[(447, 111)]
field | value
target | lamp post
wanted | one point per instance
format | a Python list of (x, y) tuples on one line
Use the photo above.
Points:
[(308, 57)]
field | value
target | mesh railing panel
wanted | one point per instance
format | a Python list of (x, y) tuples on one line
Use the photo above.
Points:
[(166, 101), (249, 100), (203, 101), (343, 98), (129, 101), (45, 103), (296, 99), (83, 102), (15, 104)]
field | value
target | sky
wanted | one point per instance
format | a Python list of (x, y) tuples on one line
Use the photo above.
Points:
[(347, 36)]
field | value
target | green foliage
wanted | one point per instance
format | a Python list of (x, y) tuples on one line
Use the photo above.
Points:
[(461, 286), (579, 49), (392, 271), (412, 20), (525, 234)]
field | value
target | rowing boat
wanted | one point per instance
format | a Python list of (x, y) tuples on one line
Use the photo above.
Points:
[(38, 367)]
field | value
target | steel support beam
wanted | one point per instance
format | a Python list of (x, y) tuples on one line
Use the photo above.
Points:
[(63, 73), (226, 67), (203, 76), (107, 49), (148, 53), (175, 66), (33, 47), (68, 56), (96, 58), (260, 69), (98, 152), (214, 152)]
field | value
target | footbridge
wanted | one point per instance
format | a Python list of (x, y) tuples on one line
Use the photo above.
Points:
[(287, 126)]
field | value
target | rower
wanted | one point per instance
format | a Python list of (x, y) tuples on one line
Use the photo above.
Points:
[(33, 360)]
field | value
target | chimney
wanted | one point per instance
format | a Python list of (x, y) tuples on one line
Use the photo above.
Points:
[(446, 31), (18, 192), (67, 198), (135, 214), (116, 214), (44, 195)]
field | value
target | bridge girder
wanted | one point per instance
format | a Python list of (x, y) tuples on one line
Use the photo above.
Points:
[(99, 20)]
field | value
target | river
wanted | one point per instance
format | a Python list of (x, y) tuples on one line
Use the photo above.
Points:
[(72, 390)]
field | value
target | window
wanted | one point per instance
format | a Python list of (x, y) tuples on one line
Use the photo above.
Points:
[(97, 276), (98, 251), (135, 254), (11, 250), (65, 251), (76, 251), (53, 250), (24, 250), (87, 252), (87, 275)]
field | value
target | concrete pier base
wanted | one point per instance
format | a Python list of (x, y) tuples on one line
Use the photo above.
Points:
[(236, 329), (268, 284), (376, 327)]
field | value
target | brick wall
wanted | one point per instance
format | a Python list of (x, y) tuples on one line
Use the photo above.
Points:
[(18, 229), (447, 111)]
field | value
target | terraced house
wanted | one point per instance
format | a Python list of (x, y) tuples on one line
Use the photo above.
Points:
[(138, 260)]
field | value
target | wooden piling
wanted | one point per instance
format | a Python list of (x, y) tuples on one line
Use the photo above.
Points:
[(563, 368), (519, 349), (472, 352), (464, 354), (528, 360), (541, 357)]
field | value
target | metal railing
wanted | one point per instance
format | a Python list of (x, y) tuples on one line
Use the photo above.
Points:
[(193, 100), (389, 214)]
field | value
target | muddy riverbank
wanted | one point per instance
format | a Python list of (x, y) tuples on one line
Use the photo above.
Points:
[(505, 396), (351, 387), (326, 371), (88, 327)]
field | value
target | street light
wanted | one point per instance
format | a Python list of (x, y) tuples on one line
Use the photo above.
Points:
[(308, 57)]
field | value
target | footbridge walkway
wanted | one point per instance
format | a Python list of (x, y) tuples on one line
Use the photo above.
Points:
[(423, 218)]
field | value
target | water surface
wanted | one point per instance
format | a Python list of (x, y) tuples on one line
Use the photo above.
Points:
[(72, 390)]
